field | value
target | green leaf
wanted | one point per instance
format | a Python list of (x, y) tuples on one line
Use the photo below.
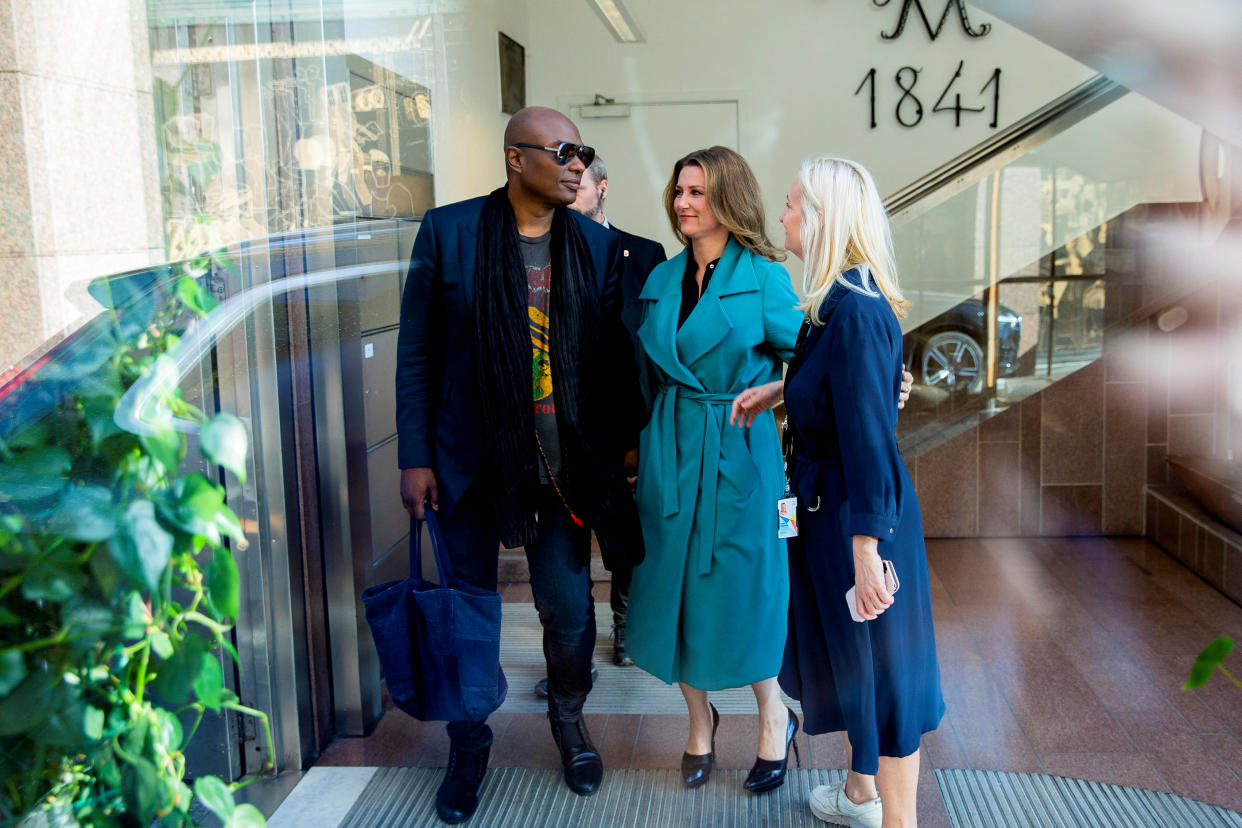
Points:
[(231, 650), (141, 547), (223, 584), (200, 497), (136, 617), (134, 736), (113, 583), (37, 433), (175, 679), (224, 442), (246, 816), (8, 618), (93, 724), (104, 381), (99, 413), (194, 505), (65, 727), (114, 292), (12, 670), (187, 291), (228, 524), (132, 296), (209, 686), (46, 581), (90, 620), (1208, 660), (183, 799), (215, 796), (161, 645), (28, 705), (166, 446), (195, 297), (34, 474), (143, 790), (85, 513), (49, 461), (170, 733)]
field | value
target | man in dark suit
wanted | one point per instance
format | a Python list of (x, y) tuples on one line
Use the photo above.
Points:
[(517, 399), (639, 256)]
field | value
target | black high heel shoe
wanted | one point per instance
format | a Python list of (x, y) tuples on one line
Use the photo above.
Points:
[(697, 767), (769, 774)]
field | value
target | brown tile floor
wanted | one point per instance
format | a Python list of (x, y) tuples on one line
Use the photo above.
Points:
[(1062, 656)]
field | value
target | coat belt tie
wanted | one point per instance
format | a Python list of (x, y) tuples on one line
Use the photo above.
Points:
[(714, 422)]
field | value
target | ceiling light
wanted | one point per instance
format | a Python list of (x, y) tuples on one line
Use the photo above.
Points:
[(618, 20)]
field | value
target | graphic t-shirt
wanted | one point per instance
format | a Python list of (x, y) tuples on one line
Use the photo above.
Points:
[(537, 258)]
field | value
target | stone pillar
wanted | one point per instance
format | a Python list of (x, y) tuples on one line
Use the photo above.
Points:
[(79, 195)]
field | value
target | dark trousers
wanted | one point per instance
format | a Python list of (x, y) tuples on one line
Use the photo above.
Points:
[(560, 578), (619, 594)]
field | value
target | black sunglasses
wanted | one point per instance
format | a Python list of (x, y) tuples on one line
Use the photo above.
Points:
[(565, 152)]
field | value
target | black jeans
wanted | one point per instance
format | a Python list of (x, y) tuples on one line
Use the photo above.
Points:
[(560, 578)]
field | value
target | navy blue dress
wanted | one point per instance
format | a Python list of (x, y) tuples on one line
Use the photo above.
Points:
[(878, 680)]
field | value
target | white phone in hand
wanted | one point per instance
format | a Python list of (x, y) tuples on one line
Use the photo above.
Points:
[(890, 581)]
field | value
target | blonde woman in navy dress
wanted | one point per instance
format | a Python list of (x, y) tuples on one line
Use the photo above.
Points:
[(877, 680)]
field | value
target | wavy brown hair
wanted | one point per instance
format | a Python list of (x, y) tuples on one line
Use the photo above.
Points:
[(732, 195)]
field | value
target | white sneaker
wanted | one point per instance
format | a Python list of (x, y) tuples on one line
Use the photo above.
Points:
[(829, 803)]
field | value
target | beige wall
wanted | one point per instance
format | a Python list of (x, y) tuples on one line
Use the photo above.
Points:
[(793, 67), (77, 166), (469, 126)]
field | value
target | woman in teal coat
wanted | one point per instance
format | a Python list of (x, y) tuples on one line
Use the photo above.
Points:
[(708, 604)]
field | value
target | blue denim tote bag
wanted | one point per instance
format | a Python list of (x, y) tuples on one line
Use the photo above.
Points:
[(438, 644)]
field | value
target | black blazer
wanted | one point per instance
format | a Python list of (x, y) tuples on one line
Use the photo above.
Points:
[(439, 424), (639, 256)]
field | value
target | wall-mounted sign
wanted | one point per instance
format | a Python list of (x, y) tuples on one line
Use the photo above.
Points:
[(907, 101), (908, 110), (917, 5)]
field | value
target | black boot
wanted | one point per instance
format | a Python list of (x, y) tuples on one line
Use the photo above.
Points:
[(541, 686), (584, 769), (458, 795), (619, 656)]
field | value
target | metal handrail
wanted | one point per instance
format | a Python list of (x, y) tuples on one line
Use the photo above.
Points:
[(1003, 148)]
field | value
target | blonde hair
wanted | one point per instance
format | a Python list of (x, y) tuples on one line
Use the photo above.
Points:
[(844, 226), (732, 195)]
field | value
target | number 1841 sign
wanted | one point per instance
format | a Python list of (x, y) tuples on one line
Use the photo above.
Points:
[(908, 109), (907, 101)]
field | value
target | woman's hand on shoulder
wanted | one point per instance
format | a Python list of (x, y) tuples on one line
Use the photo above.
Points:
[(754, 401), (870, 591), (907, 383)]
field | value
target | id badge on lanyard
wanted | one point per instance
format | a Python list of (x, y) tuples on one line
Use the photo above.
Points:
[(787, 505)]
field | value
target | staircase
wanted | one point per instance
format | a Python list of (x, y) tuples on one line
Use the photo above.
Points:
[(1054, 270)]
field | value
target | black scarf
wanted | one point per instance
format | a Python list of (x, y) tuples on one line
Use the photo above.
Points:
[(502, 327)]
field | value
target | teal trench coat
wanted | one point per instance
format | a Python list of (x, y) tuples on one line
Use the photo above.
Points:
[(709, 604)]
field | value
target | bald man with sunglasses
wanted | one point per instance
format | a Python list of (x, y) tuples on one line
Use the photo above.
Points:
[(517, 402)]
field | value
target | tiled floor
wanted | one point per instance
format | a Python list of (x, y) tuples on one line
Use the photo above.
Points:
[(1063, 656)]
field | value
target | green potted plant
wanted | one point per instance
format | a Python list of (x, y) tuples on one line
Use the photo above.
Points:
[(118, 587)]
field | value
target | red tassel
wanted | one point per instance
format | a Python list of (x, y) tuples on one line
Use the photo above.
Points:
[(577, 520)]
